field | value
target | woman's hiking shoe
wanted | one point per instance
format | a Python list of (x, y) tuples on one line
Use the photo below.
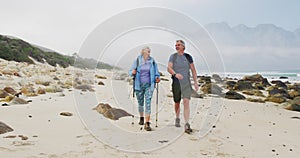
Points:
[(177, 122), (147, 126), (187, 128), (141, 121)]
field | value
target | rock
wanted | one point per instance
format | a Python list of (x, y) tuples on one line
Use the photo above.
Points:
[(42, 82), (85, 88), (293, 107), (56, 78), (3, 93), (23, 137), (41, 91), (8, 99), (4, 128), (253, 92), (234, 95), (265, 82), (204, 79), (217, 78), (283, 77), (230, 84), (10, 90), (259, 86), (170, 95), (100, 77), (253, 78), (277, 91), (243, 85), (120, 76), (279, 84), (102, 108), (210, 88), (276, 99), (259, 100), (53, 89), (294, 93), (17, 100), (296, 101), (61, 94), (66, 114), (196, 95), (112, 113), (28, 91), (100, 83)]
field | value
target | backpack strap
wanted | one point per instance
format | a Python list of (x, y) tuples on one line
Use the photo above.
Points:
[(187, 56), (137, 63)]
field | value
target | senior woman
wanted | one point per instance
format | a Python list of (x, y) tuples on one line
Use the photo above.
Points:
[(146, 75)]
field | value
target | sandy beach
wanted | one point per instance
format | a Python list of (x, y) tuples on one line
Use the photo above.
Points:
[(222, 127)]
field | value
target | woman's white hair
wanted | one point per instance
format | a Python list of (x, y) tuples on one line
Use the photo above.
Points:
[(145, 48)]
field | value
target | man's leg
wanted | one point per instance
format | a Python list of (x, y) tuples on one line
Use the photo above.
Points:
[(186, 110)]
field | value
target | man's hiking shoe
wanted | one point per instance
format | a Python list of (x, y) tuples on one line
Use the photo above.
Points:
[(177, 122), (147, 126), (141, 121), (187, 128)]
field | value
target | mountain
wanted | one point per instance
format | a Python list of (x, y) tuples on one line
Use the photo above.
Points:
[(263, 35), (12, 48)]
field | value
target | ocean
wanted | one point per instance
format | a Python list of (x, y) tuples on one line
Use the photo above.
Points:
[(292, 76)]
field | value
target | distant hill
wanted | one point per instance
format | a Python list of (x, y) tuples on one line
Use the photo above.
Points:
[(263, 35), (12, 48)]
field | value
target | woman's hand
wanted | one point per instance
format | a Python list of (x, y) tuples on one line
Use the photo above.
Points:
[(157, 80), (133, 71)]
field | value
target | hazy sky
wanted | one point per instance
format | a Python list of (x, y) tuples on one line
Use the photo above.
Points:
[(63, 25)]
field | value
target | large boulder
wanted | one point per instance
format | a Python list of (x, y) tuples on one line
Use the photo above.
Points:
[(112, 113), (234, 95), (4, 128)]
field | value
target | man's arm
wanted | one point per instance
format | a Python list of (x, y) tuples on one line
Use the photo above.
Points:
[(194, 73)]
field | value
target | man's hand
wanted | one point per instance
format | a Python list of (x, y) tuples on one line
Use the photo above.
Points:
[(179, 76), (196, 86)]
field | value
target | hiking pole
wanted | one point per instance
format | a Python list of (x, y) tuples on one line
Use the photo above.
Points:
[(156, 103), (133, 90)]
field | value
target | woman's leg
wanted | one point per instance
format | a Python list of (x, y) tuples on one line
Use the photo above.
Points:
[(148, 97), (140, 97)]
